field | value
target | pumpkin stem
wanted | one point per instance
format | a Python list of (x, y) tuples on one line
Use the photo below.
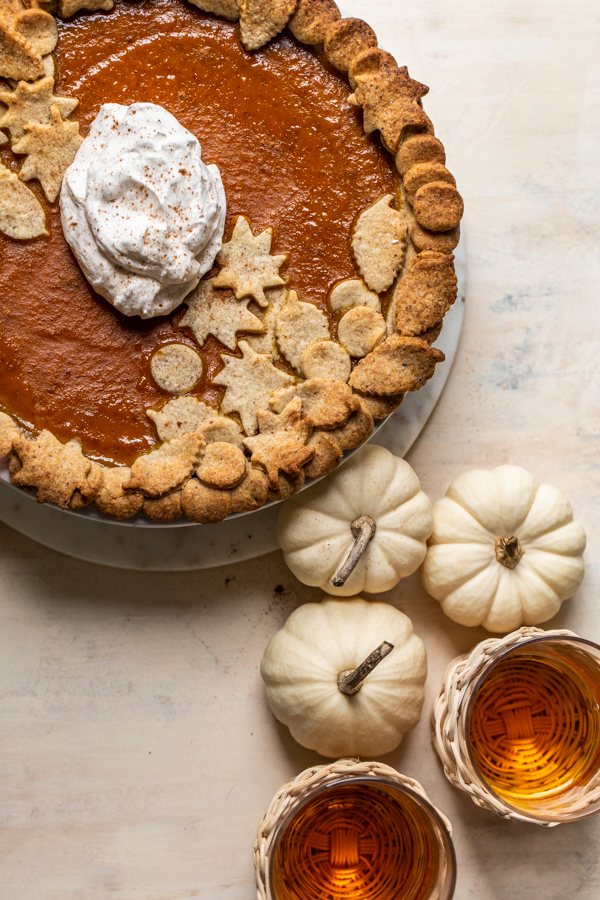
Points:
[(351, 680), (363, 530), (508, 551)]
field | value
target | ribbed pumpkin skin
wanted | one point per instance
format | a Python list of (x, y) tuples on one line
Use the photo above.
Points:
[(461, 569), (314, 533), (301, 664)]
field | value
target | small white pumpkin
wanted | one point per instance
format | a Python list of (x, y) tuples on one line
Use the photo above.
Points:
[(504, 551), (362, 529), (346, 676)]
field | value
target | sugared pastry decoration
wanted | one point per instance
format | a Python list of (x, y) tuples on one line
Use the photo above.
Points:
[(9, 433), (50, 149), (21, 213), (378, 243), (217, 312), (249, 383), (262, 20), (346, 676), (168, 468), (68, 8), (397, 365), (353, 292), (504, 550), (60, 473), (27, 35), (248, 266), (360, 330), (326, 359), (282, 326), (363, 529), (388, 96), (228, 9), (346, 40), (223, 465), (32, 103), (188, 415), (426, 293), (299, 325), (176, 368), (143, 214), (281, 444), (314, 19)]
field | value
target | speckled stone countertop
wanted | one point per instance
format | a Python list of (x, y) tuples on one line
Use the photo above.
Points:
[(137, 754)]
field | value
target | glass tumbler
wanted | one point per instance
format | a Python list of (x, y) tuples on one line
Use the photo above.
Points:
[(354, 831), (517, 726)]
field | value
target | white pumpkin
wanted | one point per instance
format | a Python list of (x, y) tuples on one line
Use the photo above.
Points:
[(504, 551), (370, 514), (311, 677)]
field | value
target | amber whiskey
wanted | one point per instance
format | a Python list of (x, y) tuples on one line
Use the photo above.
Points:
[(534, 728), (357, 842)]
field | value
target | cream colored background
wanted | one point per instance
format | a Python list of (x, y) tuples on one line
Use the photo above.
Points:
[(136, 752)]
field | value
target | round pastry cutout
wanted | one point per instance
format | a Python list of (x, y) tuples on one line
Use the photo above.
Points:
[(176, 368)]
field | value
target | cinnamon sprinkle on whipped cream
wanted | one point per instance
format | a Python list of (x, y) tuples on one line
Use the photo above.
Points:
[(142, 213)]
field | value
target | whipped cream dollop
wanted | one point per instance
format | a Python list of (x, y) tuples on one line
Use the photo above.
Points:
[(142, 213)]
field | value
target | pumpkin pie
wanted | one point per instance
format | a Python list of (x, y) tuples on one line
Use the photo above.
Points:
[(326, 267)]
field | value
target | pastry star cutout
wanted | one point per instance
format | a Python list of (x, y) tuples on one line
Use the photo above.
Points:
[(218, 313), (281, 444), (51, 149), (248, 267), (31, 103), (250, 382)]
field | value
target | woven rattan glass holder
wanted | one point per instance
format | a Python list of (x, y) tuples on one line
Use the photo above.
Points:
[(452, 715), (295, 796)]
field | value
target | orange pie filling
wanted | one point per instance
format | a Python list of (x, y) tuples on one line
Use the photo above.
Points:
[(292, 155), (358, 240)]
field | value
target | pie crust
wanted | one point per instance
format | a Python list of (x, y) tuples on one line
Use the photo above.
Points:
[(277, 422)]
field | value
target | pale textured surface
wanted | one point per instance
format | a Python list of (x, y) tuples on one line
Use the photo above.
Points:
[(138, 754)]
